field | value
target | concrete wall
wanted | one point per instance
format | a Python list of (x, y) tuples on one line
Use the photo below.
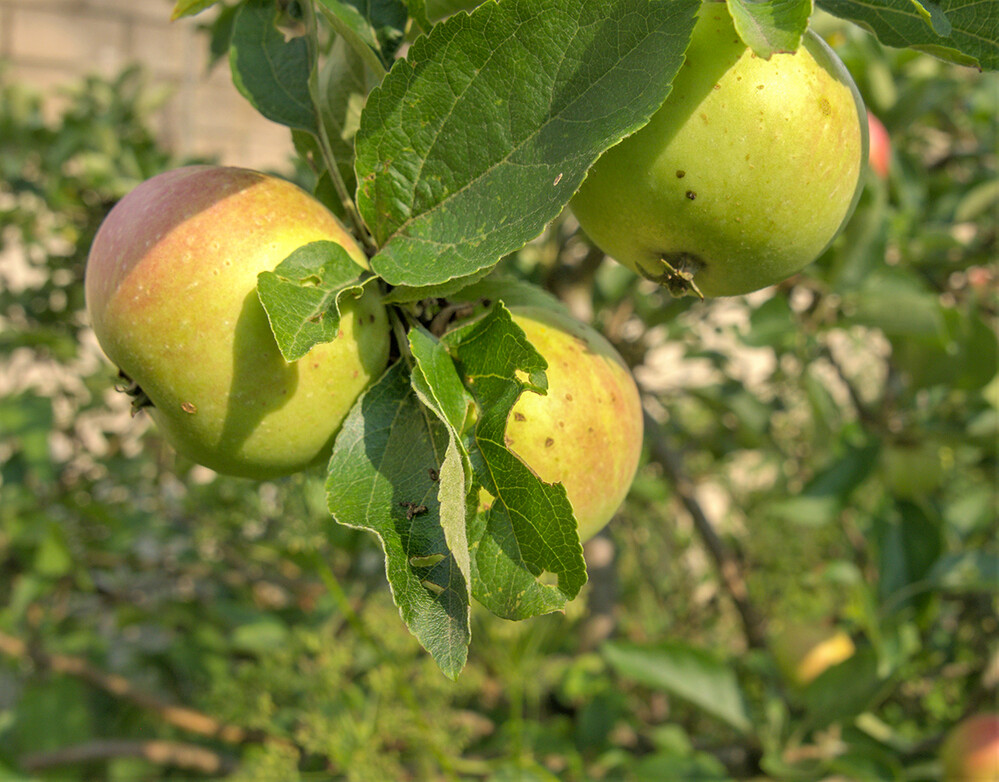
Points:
[(48, 43)]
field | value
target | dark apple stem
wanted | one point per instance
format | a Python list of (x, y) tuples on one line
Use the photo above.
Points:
[(728, 562)]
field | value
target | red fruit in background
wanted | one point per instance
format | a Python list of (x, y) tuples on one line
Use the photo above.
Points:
[(879, 150), (970, 753)]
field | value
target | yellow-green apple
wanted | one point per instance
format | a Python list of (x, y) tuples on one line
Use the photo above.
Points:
[(879, 155), (970, 752), (804, 652), (586, 432), (744, 175), (171, 293)]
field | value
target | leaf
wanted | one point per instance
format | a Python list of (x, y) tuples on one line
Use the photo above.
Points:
[(529, 528), (828, 491), (380, 479), (370, 27), (405, 293), (973, 38), (435, 381), (966, 571), (270, 71), (343, 84), (771, 27), (896, 304), (302, 296), (908, 546), (844, 690), (934, 17), (477, 140), (190, 8), (687, 672)]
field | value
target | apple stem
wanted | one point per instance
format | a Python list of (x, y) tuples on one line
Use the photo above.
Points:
[(128, 386), (677, 275)]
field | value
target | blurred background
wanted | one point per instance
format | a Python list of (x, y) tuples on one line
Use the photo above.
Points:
[(801, 586)]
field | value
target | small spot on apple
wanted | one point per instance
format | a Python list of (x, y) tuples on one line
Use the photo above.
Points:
[(680, 174), (691, 195), (519, 417), (549, 442), (189, 407)]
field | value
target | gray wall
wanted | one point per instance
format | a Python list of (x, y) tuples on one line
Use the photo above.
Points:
[(49, 43)]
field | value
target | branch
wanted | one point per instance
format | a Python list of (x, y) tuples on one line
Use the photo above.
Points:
[(179, 716), (729, 564), (164, 753)]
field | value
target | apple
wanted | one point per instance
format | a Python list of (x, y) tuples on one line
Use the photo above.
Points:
[(804, 652), (879, 155), (171, 293), (586, 432), (970, 752), (745, 174)]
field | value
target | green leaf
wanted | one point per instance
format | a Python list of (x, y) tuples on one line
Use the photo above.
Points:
[(270, 71), (825, 494), (896, 304), (687, 672), (477, 140), (909, 545), (405, 293), (845, 690), (190, 8), (418, 10), (302, 296), (966, 571), (342, 87), (529, 528), (934, 17), (771, 27), (371, 27), (435, 381), (381, 479), (974, 27)]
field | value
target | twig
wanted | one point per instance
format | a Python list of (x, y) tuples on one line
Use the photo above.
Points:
[(728, 563), (179, 716), (164, 753)]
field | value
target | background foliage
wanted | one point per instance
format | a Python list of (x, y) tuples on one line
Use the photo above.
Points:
[(823, 452)]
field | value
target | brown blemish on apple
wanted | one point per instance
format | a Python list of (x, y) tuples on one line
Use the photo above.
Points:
[(519, 417), (549, 442), (189, 407)]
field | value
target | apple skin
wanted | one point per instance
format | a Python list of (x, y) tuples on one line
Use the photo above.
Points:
[(171, 293), (970, 753), (744, 175), (879, 155), (586, 432), (804, 652)]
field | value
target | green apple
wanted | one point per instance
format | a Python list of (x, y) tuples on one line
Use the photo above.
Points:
[(171, 293), (804, 652), (745, 175), (970, 752), (586, 432)]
